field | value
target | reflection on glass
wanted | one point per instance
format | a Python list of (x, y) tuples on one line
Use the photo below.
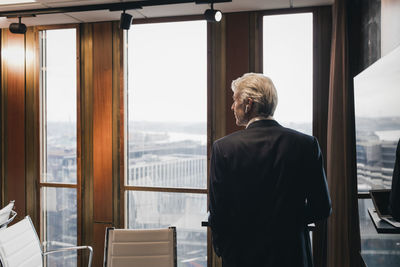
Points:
[(377, 249), (287, 59), (167, 105), (59, 211), (58, 86), (184, 211), (376, 97)]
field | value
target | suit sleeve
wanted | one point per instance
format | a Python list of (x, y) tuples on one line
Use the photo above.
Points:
[(318, 206), (218, 204)]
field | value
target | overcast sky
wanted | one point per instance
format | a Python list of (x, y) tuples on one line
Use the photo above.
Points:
[(167, 75), (61, 75), (287, 50)]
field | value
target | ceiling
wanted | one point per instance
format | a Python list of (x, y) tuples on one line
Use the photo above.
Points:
[(146, 12)]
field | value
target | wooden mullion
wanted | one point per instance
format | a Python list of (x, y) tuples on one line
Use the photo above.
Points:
[(61, 185), (57, 26), (86, 131), (165, 189)]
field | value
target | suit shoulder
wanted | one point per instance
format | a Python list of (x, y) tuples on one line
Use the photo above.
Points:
[(299, 135), (229, 138)]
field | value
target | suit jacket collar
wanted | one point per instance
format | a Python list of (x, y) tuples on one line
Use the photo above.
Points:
[(263, 123)]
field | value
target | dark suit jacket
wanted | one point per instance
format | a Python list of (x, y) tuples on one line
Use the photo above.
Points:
[(394, 203), (266, 184)]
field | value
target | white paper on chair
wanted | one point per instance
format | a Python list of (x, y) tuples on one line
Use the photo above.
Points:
[(5, 213)]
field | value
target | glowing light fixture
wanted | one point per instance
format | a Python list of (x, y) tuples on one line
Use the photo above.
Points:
[(12, 2), (213, 15)]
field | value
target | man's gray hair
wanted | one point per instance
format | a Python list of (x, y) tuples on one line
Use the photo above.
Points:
[(260, 89)]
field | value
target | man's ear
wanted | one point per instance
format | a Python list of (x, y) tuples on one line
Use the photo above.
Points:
[(249, 105)]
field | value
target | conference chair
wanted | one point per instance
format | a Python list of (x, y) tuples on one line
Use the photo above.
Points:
[(140, 248), (7, 214), (20, 246)]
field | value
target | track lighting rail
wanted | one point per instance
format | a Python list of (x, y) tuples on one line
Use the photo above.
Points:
[(111, 6)]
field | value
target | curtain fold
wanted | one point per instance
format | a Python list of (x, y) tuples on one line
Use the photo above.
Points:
[(321, 68), (343, 230)]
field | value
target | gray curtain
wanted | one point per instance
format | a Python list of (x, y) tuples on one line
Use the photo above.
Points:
[(343, 232)]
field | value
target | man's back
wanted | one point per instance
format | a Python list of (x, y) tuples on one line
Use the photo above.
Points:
[(260, 180)]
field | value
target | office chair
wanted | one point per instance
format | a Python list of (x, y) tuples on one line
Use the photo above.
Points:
[(140, 248), (7, 214), (20, 246)]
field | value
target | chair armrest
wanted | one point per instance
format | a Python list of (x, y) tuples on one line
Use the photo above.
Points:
[(13, 215), (72, 248)]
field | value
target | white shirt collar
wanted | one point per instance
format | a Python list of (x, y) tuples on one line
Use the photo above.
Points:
[(259, 118)]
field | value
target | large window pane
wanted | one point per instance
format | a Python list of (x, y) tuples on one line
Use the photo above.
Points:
[(59, 210), (58, 85), (377, 249), (167, 105), (167, 132), (184, 211), (58, 103), (287, 50)]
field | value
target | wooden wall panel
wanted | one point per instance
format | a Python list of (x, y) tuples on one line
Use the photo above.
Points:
[(237, 58), (14, 139), (118, 125), (32, 125), (102, 121), (98, 243), (86, 78)]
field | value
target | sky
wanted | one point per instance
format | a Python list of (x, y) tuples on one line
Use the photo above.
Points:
[(287, 57), (167, 70), (61, 75)]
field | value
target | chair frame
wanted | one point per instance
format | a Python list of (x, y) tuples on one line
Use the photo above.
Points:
[(13, 215), (45, 253)]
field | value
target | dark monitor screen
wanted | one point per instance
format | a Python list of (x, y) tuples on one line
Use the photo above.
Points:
[(380, 199)]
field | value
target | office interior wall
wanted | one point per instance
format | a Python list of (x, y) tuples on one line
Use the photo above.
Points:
[(13, 89), (101, 86)]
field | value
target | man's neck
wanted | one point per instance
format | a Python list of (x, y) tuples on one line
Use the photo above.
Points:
[(258, 118)]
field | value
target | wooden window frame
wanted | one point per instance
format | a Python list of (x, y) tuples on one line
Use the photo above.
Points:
[(40, 184), (126, 188)]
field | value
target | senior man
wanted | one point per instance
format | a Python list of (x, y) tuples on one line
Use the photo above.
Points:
[(267, 182)]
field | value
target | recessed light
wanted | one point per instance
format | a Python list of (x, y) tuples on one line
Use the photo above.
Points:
[(14, 2)]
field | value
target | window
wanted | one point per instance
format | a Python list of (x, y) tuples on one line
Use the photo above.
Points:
[(288, 61), (166, 182), (59, 177)]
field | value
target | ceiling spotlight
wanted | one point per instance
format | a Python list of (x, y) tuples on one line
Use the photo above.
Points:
[(213, 15), (125, 21), (18, 27)]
